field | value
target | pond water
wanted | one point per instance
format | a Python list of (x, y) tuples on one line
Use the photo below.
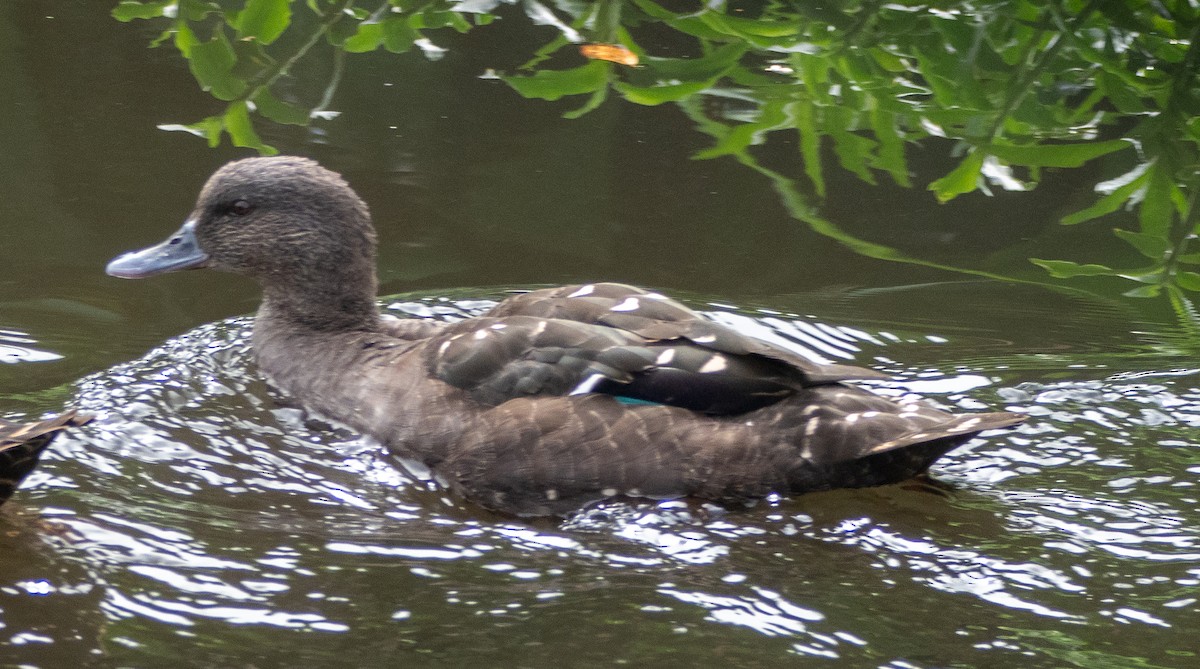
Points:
[(204, 520)]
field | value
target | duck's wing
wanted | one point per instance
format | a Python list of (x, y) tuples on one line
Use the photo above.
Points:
[(21, 444), (654, 317), (497, 359)]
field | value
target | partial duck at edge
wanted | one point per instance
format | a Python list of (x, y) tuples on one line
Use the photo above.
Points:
[(554, 398), (22, 444)]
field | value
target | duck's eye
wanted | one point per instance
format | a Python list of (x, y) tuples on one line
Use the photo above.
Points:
[(241, 208)]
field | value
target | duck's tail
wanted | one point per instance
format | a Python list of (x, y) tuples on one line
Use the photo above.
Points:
[(21, 444), (912, 453), (962, 427)]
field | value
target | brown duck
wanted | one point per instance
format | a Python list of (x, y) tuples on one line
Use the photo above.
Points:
[(21, 444), (554, 398)]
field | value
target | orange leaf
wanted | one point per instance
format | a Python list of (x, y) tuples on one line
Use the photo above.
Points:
[(610, 52)]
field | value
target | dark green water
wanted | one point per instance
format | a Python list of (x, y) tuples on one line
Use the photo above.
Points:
[(202, 521)]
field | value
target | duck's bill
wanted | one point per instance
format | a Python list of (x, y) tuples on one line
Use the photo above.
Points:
[(179, 251)]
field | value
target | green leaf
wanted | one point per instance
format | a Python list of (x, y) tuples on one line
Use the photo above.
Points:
[(1124, 15), (252, 59), (657, 95), (1153, 275), (554, 84), (686, 76), (735, 25), (951, 80), (1157, 213), (1064, 269), (888, 61), (814, 72), (856, 66), (773, 116), (593, 102), (210, 129), (549, 49), (368, 38), (127, 10), (891, 147), (1120, 93), (185, 40), (281, 112), (1150, 246), (810, 144), (241, 129), (162, 37), (1143, 291), (212, 64), (264, 20), (398, 36), (1113, 201), (1188, 280), (1055, 155), (197, 10), (962, 179), (853, 150), (764, 34), (685, 23), (714, 64), (439, 19)]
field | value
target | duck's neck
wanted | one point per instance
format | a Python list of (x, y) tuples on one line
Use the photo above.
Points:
[(305, 340), (342, 304)]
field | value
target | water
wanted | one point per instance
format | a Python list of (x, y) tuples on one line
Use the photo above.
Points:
[(200, 507), (204, 520)]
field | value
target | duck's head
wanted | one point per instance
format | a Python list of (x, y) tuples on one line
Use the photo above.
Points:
[(264, 217), (293, 225)]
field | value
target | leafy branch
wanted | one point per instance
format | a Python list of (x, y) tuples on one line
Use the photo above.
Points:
[(1018, 86), (244, 74)]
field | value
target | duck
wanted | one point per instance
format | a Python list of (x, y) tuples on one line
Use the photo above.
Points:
[(553, 399), (22, 444)]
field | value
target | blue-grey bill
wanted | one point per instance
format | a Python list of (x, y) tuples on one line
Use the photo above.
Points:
[(179, 251)]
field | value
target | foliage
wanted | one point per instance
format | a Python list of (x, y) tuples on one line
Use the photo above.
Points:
[(229, 52), (1020, 87)]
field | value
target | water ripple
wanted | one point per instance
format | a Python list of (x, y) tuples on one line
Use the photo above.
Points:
[(201, 497)]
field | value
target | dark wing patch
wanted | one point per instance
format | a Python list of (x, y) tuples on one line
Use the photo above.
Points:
[(701, 380)]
